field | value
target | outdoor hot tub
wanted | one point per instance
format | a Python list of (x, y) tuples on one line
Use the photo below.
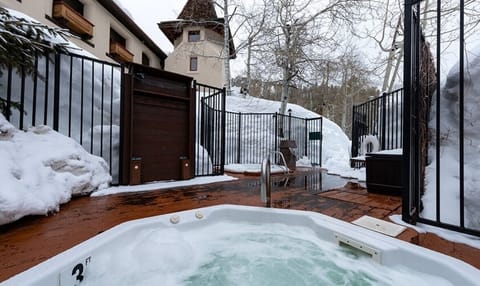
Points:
[(239, 245)]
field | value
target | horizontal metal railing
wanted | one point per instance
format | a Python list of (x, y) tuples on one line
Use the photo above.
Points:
[(381, 117)]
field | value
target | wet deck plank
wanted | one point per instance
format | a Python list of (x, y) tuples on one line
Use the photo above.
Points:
[(32, 240)]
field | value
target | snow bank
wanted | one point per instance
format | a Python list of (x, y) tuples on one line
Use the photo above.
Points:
[(449, 149), (42, 169), (335, 145)]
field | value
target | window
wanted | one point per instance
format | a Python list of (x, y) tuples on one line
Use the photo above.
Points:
[(118, 50), (145, 60), (194, 36), (116, 38), (193, 64), (74, 4), (69, 14)]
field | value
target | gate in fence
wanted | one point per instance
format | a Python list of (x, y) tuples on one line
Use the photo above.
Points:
[(77, 96), (382, 118), (440, 147), (210, 130), (251, 137)]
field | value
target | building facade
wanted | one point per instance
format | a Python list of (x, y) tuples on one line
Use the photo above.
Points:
[(198, 39), (101, 28)]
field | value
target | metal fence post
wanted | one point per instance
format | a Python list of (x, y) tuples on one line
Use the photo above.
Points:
[(355, 132), (56, 92), (384, 119), (222, 155), (22, 98), (276, 130), (9, 93), (289, 124), (239, 140), (407, 83), (321, 139), (306, 137)]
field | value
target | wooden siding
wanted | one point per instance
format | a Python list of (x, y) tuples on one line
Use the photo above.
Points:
[(160, 114)]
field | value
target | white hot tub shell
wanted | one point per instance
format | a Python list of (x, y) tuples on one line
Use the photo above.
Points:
[(70, 267)]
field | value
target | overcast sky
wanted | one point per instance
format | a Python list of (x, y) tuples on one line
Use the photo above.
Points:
[(148, 13)]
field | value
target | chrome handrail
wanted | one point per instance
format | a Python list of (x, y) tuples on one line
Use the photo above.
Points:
[(265, 187), (286, 170)]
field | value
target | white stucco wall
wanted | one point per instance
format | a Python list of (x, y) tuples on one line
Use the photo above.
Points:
[(209, 54), (97, 15)]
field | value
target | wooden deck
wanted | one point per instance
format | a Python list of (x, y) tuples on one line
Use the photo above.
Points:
[(32, 240)]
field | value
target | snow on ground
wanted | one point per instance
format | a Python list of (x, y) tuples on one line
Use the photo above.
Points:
[(335, 144), (42, 169), (163, 185), (449, 150), (52, 176), (441, 232), (254, 168)]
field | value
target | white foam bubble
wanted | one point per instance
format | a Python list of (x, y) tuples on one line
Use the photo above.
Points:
[(227, 253)]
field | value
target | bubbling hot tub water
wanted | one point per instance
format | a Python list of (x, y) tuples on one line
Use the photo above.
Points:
[(234, 245), (233, 253)]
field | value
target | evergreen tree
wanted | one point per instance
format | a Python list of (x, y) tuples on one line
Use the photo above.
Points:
[(20, 41)]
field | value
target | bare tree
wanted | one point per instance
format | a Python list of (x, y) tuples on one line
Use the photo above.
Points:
[(354, 76), (251, 21), (299, 35), (388, 33)]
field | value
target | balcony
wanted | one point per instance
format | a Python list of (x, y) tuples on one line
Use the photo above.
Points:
[(120, 52), (72, 19)]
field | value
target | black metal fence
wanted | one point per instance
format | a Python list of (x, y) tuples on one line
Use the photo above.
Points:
[(382, 118), (251, 137), (75, 95), (247, 138), (444, 169), (210, 130)]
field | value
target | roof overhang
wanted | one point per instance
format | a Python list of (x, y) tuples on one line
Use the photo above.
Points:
[(121, 16)]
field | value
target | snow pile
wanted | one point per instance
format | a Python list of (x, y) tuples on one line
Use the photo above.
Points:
[(154, 186), (203, 161), (42, 169), (335, 143), (449, 149), (77, 75), (254, 169)]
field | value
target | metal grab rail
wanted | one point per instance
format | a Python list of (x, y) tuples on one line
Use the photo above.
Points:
[(265, 187), (286, 170)]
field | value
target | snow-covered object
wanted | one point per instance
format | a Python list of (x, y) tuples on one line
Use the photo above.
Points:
[(304, 162), (203, 161), (335, 143), (449, 148), (370, 144), (41, 169)]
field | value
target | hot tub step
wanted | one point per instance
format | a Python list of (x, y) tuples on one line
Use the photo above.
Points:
[(379, 225)]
